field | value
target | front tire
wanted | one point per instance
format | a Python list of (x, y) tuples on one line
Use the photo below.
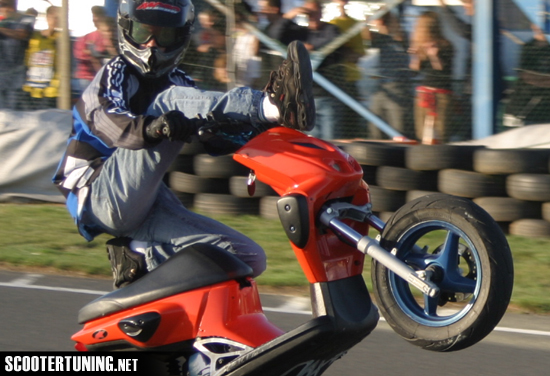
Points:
[(469, 259)]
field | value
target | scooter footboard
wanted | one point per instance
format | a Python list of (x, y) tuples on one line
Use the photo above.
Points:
[(347, 316)]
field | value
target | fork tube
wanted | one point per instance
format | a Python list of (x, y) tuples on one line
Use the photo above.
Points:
[(376, 222), (371, 247)]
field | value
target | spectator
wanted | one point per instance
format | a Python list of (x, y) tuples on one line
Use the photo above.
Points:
[(246, 49), (15, 32), (209, 37), (42, 82), (210, 47), (90, 51), (432, 57), (108, 30), (281, 29), (392, 101), (464, 92), (315, 36), (462, 89), (349, 73), (221, 78), (31, 12), (530, 100)]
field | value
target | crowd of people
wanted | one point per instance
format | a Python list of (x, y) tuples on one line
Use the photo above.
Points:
[(28, 72), (415, 92), (414, 75)]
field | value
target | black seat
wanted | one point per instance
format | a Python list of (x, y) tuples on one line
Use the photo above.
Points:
[(196, 266)]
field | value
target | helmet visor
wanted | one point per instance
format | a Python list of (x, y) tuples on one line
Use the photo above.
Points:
[(164, 36)]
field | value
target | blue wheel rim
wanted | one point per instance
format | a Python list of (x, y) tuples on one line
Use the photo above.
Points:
[(460, 280)]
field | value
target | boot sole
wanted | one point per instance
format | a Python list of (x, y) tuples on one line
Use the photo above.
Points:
[(299, 56)]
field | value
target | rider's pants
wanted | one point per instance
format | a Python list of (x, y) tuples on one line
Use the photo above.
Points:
[(129, 199)]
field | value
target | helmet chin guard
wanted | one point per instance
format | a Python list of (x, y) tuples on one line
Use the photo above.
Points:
[(154, 61)]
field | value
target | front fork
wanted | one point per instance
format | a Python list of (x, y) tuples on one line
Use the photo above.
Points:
[(331, 216)]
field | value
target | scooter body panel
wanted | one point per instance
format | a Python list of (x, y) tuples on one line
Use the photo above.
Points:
[(296, 164), (226, 310)]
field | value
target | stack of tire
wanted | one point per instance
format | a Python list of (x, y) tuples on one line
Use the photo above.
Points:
[(525, 206), (512, 185), (391, 183), (217, 185)]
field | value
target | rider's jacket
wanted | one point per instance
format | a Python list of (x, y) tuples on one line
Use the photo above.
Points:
[(109, 115)]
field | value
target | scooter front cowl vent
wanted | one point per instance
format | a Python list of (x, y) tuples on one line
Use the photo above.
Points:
[(140, 327)]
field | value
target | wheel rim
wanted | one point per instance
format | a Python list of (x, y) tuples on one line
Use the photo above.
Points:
[(445, 249)]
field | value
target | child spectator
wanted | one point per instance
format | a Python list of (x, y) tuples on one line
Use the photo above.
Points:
[(42, 81)]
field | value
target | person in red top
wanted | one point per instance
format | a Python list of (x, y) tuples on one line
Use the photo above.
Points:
[(92, 50)]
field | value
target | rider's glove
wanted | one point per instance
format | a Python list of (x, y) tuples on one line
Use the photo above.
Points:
[(172, 125), (221, 135)]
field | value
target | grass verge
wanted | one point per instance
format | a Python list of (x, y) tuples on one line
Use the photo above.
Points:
[(44, 236)]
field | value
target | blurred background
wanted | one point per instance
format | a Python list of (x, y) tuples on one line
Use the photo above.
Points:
[(462, 69)]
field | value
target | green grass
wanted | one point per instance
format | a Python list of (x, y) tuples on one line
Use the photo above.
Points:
[(44, 236)]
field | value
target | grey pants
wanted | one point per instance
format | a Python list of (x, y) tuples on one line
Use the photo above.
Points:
[(129, 199)]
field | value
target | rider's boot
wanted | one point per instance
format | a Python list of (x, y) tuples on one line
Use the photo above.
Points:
[(126, 265), (290, 89)]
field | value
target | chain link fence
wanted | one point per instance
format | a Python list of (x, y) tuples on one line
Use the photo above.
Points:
[(397, 69)]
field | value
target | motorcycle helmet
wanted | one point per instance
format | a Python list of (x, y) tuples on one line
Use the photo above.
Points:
[(170, 22)]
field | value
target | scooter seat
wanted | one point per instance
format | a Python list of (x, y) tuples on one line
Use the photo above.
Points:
[(196, 266)]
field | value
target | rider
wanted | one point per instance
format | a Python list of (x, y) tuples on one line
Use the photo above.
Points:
[(131, 123)]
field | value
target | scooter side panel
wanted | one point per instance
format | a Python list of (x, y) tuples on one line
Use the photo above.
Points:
[(237, 315), (227, 309), (180, 320)]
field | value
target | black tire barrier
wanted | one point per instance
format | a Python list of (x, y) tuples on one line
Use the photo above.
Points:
[(530, 187), (193, 148), (386, 200), (509, 209), (183, 163), (369, 173), (268, 207), (225, 204), (221, 167), (377, 153), (404, 179), (502, 181), (189, 183), (511, 161), (440, 157), (238, 186), (530, 228), (471, 184), (545, 211)]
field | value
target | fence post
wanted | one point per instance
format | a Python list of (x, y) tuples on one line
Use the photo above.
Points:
[(64, 60)]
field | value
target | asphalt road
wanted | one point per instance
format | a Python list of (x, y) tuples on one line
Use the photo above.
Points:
[(38, 313)]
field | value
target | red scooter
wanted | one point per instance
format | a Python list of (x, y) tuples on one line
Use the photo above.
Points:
[(441, 270)]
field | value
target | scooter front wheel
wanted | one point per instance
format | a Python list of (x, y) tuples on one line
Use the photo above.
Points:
[(464, 252)]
